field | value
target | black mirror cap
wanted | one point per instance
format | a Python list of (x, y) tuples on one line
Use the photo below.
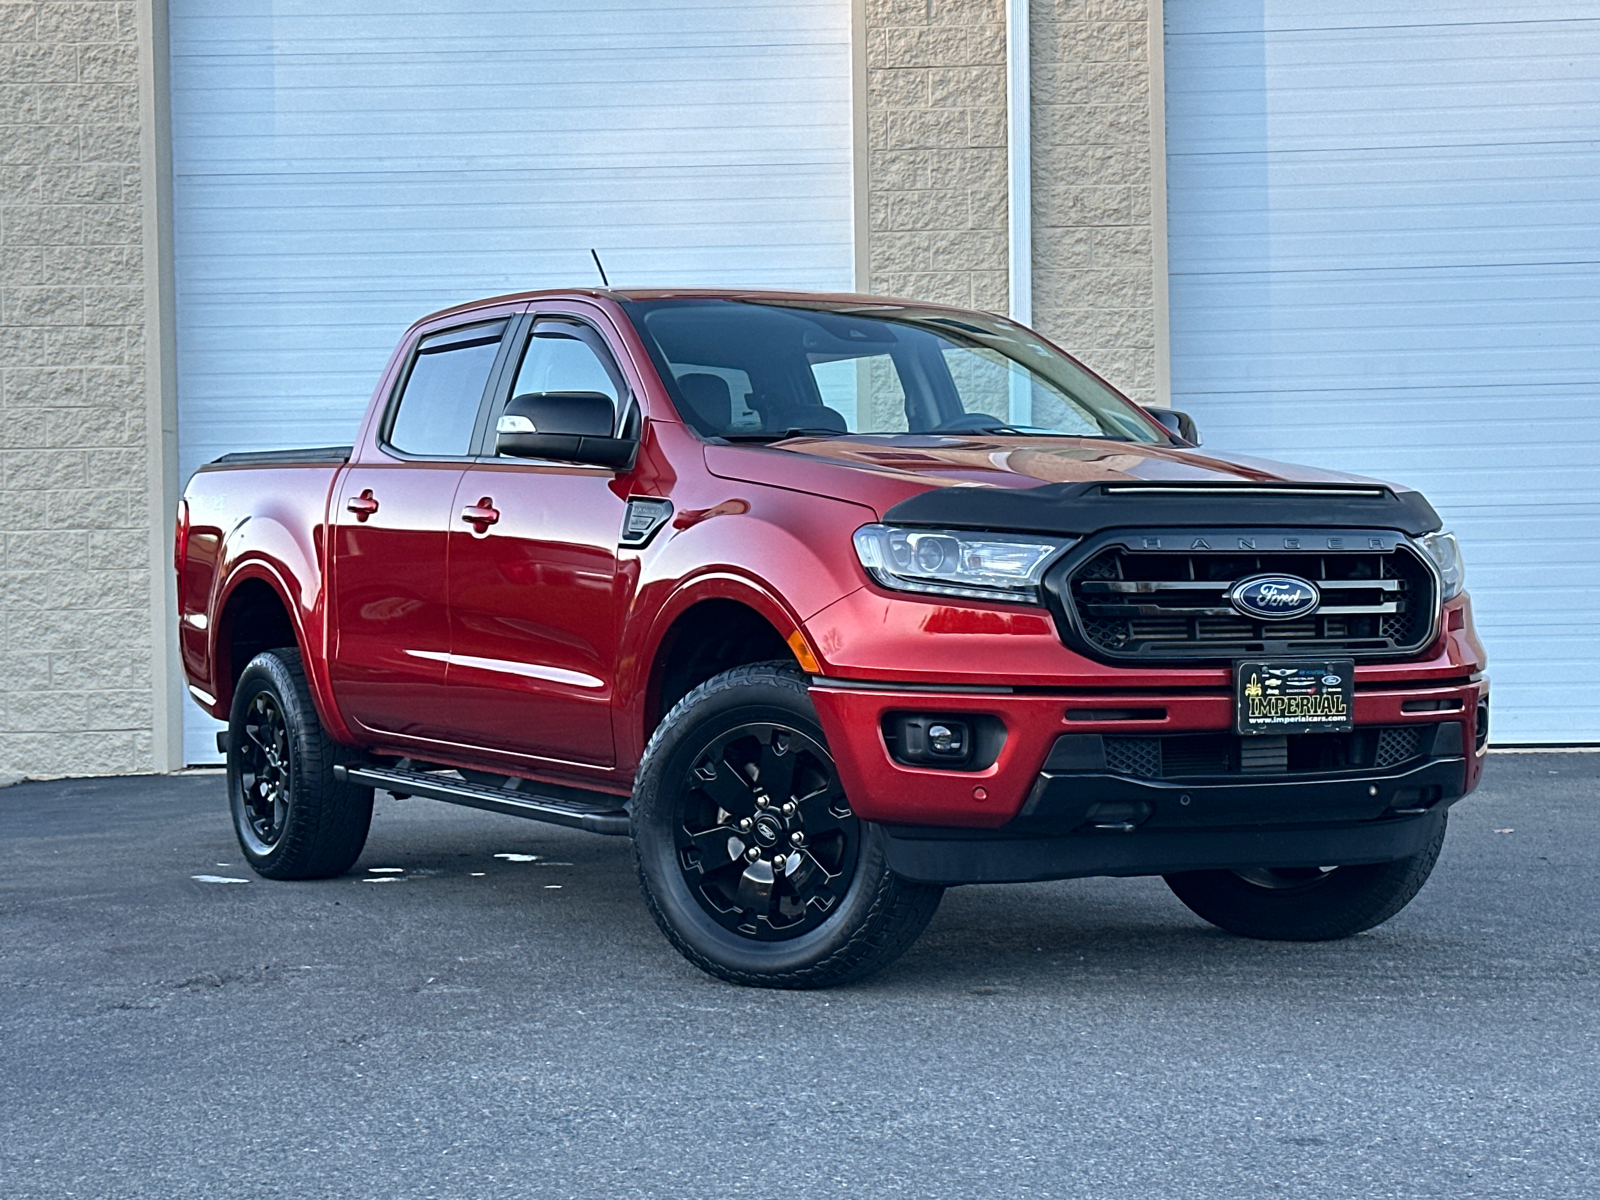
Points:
[(616, 453), (1180, 423), (564, 427)]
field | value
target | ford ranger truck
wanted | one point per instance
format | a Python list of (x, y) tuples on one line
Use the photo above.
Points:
[(830, 603)]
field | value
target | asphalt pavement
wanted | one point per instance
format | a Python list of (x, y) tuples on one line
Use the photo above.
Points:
[(483, 1007)]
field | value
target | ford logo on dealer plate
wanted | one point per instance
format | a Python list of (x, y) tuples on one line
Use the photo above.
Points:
[(1274, 597)]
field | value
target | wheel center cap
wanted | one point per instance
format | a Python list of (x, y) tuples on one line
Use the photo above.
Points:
[(768, 829)]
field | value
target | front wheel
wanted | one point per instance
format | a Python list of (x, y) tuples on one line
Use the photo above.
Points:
[(1306, 904), (749, 855), (294, 820)]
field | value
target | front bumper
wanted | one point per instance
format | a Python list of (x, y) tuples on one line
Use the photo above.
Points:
[(951, 857), (1066, 801), (894, 793), (1049, 807)]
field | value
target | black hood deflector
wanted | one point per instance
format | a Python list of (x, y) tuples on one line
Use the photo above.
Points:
[(1079, 509)]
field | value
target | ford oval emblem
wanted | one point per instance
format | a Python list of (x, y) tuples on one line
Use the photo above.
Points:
[(1275, 597)]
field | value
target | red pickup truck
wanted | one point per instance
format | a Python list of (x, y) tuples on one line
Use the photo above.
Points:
[(830, 603)]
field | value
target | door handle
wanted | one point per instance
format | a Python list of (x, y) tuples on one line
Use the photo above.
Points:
[(363, 505), (481, 515)]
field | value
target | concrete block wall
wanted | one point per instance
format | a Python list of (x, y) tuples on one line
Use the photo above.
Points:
[(1094, 261), (75, 629), (936, 178), (936, 150)]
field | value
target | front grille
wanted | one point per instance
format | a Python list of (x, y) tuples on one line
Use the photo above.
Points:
[(1203, 755), (1398, 744), (1121, 602), (1136, 756)]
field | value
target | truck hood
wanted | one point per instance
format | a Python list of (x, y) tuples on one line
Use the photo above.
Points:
[(1069, 485), (1029, 462)]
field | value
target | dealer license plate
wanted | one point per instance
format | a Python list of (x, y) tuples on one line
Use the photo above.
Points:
[(1294, 696)]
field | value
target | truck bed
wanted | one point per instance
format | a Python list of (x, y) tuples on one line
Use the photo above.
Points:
[(310, 454)]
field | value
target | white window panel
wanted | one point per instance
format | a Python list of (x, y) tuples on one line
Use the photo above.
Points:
[(342, 168), (1385, 257)]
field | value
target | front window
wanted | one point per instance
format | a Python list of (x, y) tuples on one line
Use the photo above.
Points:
[(764, 370), (564, 356)]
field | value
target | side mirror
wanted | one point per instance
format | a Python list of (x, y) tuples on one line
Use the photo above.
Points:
[(1180, 423), (566, 427)]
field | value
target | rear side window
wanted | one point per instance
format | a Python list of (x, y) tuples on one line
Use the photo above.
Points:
[(439, 405)]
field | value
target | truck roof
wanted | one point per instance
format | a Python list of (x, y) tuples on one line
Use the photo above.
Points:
[(757, 294)]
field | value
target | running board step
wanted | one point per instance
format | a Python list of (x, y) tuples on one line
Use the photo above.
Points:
[(515, 803)]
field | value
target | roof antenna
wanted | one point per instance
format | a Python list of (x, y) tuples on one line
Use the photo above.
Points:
[(594, 254)]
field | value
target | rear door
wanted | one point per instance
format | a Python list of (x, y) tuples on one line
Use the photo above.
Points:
[(392, 514), (534, 608)]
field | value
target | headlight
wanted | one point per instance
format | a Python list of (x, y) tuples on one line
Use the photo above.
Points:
[(1445, 551), (948, 562)]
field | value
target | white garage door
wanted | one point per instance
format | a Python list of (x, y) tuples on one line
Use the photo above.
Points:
[(342, 167), (1385, 256)]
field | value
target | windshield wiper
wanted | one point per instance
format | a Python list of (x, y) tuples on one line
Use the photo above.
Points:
[(995, 428), (778, 435), (1015, 431)]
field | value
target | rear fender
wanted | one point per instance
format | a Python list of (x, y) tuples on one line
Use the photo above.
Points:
[(287, 557)]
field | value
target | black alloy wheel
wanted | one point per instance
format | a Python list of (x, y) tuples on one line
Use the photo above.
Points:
[(265, 768), (750, 857), (1285, 879), (293, 818), (766, 840)]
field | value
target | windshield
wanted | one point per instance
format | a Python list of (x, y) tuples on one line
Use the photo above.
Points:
[(746, 370)]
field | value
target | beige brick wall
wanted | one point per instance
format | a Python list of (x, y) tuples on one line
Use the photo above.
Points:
[(75, 629), (936, 160), (936, 179), (1093, 253)]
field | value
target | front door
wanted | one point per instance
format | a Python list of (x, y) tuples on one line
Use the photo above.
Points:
[(534, 608), (391, 521)]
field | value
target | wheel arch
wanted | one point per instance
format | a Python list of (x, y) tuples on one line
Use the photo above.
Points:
[(704, 636), (255, 614)]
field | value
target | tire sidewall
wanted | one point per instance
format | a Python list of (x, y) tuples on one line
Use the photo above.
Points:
[(266, 673), (698, 719)]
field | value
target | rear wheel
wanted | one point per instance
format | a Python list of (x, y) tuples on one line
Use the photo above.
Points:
[(749, 855), (1306, 904), (292, 818)]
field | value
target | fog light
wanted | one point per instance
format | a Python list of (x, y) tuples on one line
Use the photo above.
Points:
[(925, 739)]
